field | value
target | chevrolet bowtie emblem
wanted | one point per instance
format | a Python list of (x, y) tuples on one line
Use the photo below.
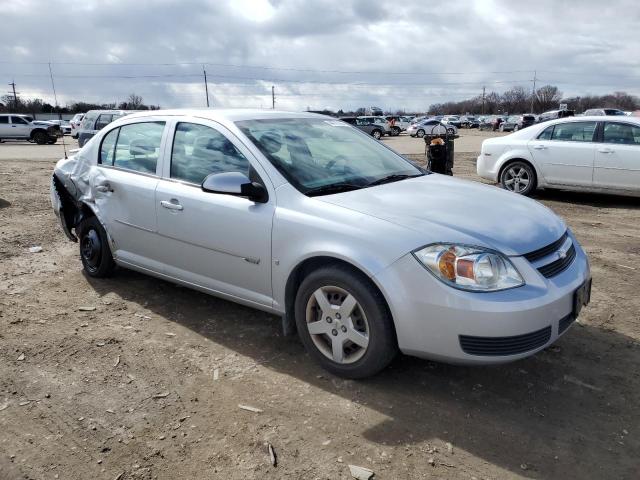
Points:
[(562, 253)]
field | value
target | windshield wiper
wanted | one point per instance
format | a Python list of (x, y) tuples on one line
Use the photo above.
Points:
[(332, 188), (392, 178)]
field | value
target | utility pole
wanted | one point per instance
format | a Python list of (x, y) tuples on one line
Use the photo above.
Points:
[(483, 92), (533, 93), (273, 97), (15, 97), (206, 87)]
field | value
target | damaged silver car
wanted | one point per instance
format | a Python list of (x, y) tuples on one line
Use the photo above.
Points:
[(306, 217)]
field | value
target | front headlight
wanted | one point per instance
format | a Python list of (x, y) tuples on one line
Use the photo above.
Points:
[(469, 268)]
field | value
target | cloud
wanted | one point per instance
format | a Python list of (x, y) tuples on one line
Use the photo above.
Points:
[(328, 53)]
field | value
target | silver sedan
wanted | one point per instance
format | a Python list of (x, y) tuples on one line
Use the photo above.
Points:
[(308, 218)]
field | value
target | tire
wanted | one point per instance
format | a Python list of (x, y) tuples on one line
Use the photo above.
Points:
[(451, 131), (40, 137), (519, 177), (420, 133), (369, 322), (52, 141), (377, 134), (94, 249), (395, 131)]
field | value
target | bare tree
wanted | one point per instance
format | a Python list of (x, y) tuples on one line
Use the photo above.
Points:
[(547, 98)]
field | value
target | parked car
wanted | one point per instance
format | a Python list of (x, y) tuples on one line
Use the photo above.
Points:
[(451, 120), (604, 111), (525, 121), (75, 122), (401, 123), (95, 120), (375, 126), (577, 153), (299, 216), (64, 125), (21, 127), (509, 124), (496, 121), (430, 127), (469, 122), (555, 114)]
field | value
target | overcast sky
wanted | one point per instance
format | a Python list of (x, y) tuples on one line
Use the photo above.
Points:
[(317, 53)]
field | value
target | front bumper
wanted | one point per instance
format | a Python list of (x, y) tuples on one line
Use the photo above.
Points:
[(433, 319)]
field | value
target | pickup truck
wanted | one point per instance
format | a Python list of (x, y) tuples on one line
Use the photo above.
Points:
[(21, 127)]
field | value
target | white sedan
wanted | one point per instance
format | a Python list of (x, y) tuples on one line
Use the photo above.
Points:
[(599, 154)]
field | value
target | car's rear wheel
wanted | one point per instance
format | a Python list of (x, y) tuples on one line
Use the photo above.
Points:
[(52, 141), (344, 322), (40, 137), (376, 134), (94, 248), (451, 131), (420, 133), (518, 177)]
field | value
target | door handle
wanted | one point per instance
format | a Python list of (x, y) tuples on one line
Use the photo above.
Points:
[(104, 187), (540, 147), (172, 205), (605, 150)]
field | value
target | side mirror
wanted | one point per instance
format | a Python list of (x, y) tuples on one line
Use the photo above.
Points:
[(237, 184)]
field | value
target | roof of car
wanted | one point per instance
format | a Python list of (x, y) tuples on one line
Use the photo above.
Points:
[(233, 115)]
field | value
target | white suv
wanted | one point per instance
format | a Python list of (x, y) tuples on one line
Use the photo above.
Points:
[(21, 127)]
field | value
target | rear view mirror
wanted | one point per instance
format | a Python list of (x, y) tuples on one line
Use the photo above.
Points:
[(237, 184)]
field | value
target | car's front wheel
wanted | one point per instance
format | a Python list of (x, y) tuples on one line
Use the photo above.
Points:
[(94, 248), (376, 134), (420, 133), (519, 177), (344, 322), (40, 137)]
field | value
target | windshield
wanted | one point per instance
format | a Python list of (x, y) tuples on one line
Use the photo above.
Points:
[(315, 153)]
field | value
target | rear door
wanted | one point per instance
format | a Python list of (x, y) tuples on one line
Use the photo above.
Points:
[(565, 153), (129, 162), (617, 157), (217, 241)]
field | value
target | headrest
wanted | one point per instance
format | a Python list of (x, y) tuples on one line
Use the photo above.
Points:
[(271, 141)]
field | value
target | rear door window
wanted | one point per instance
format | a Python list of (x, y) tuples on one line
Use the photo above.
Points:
[(19, 121), (546, 133), (574, 132), (621, 134), (138, 146)]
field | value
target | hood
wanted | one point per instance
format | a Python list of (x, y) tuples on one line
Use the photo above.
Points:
[(446, 209)]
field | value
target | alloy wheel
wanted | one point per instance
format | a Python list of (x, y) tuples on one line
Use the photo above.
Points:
[(337, 324), (516, 179)]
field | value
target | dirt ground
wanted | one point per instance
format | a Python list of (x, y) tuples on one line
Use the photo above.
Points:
[(136, 378)]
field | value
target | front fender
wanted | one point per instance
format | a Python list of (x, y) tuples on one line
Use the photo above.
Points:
[(517, 154)]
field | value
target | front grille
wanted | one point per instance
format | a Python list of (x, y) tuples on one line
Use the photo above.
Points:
[(544, 251), (565, 323), (500, 346), (554, 268)]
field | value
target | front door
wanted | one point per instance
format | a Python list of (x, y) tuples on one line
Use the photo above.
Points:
[(20, 128), (220, 242), (565, 153), (617, 163), (124, 190)]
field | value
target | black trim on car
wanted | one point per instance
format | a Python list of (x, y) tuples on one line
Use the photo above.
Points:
[(504, 346), (548, 250)]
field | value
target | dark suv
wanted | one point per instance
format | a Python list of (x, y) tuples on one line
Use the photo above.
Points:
[(96, 120)]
